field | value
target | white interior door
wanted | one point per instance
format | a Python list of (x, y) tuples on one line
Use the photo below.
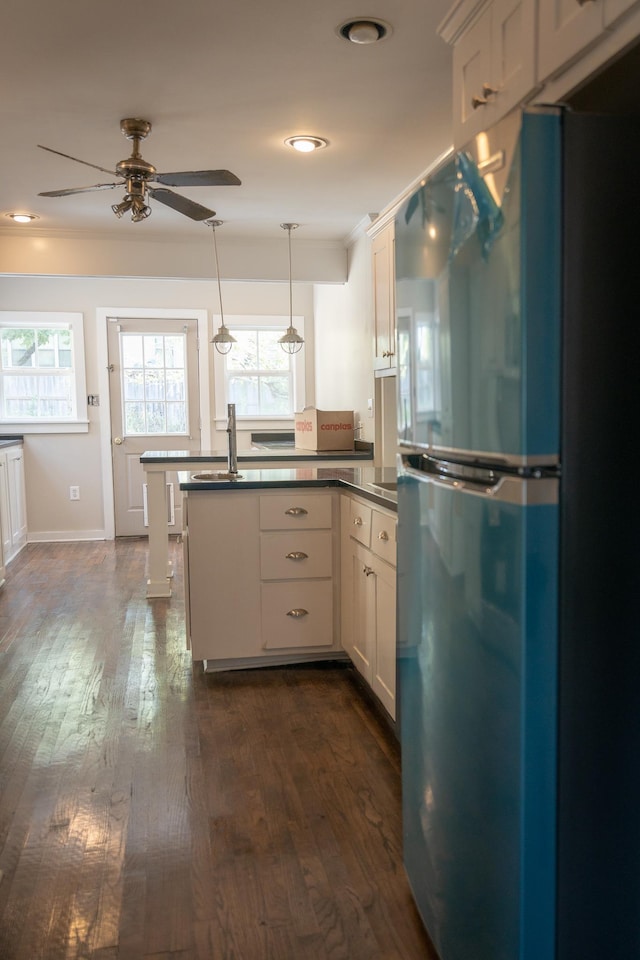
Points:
[(154, 399)]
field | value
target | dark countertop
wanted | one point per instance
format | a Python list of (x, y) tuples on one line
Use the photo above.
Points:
[(361, 480), (10, 440), (276, 453)]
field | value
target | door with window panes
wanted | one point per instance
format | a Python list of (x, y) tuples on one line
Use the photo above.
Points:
[(154, 396)]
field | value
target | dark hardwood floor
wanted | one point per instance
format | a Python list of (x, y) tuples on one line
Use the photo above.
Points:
[(148, 810)]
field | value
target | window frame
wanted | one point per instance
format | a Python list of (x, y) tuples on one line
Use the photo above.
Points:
[(259, 322), (44, 319)]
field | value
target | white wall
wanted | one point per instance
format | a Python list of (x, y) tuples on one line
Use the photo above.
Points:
[(36, 254), (344, 340), (56, 461)]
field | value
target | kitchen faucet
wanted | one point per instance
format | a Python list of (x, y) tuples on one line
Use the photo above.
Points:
[(233, 443)]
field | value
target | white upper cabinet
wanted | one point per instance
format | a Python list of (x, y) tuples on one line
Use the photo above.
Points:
[(493, 61), (612, 9), (384, 314), (565, 28), (508, 52)]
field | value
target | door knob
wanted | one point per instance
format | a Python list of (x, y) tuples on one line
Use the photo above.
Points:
[(117, 441)]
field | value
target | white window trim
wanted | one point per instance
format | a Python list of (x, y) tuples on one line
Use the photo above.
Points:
[(45, 318), (252, 323)]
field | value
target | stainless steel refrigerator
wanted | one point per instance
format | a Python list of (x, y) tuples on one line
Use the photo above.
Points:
[(517, 298)]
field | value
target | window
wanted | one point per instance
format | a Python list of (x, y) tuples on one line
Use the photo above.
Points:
[(154, 380), (259, 375), (263, 381), (41, 368)]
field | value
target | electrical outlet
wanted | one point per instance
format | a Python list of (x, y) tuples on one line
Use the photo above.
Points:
[(370, 407), (74, 493)]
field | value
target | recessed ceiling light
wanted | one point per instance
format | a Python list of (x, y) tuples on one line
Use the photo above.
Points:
[(364, 30), (306, 144), (22, 217)]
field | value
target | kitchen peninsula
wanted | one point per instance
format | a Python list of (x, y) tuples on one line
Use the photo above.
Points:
[(293, 565), (263, 455)]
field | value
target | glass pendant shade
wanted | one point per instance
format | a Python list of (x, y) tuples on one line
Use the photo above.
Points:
[(223, 340), (291, 341)]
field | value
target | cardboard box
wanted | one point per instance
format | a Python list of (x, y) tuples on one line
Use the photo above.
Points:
[(324, 429)]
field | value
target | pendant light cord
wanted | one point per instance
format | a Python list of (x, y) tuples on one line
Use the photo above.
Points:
[(215, 250), (290, 280)]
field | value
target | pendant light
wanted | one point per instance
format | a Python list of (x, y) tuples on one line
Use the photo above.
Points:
[(291, 341), (223, 341)]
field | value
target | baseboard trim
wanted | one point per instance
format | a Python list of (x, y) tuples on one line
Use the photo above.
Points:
[(61, 536)]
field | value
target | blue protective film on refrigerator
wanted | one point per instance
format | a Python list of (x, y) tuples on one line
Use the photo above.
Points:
[(475, 209)]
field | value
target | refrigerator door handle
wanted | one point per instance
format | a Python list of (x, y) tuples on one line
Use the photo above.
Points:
[(506, 489)]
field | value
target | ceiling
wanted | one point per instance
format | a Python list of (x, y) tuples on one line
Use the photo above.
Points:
[(223, 84)]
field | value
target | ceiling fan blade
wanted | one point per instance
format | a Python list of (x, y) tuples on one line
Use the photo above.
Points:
[(111, 173), (199, 178), (71, 190), (182, 204)]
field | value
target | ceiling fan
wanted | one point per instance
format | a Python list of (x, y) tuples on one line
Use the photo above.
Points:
[(138, 176)]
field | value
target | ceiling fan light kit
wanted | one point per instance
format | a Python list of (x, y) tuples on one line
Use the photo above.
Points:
[(138, 177)]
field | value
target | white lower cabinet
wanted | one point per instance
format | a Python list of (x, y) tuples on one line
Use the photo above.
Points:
[(369, 595), (260, 576), (273, 577), (13, 511)]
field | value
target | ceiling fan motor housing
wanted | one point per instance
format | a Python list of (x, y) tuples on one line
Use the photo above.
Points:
[(135, 167), (135, 129)]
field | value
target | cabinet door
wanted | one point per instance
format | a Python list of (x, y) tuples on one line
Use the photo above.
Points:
[(512, 54), (17, 498), (471, 74), (382, 251), (383, 679), (5, 515), (224, 575), (565, 28), (361, 625), (494, 66), (615, 8)]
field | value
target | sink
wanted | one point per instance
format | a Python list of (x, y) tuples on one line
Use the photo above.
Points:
[(216, 475), (386, 486)]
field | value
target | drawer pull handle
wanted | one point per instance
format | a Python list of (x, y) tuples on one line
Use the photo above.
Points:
[(357, 521), (367, 571), (383, 535), (296, 512), (297, 612), (296, 555)]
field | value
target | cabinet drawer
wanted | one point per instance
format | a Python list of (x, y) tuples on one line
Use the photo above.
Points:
[(312, 601), (295, 555), (383, 536), (296, 510), (360, 522)]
